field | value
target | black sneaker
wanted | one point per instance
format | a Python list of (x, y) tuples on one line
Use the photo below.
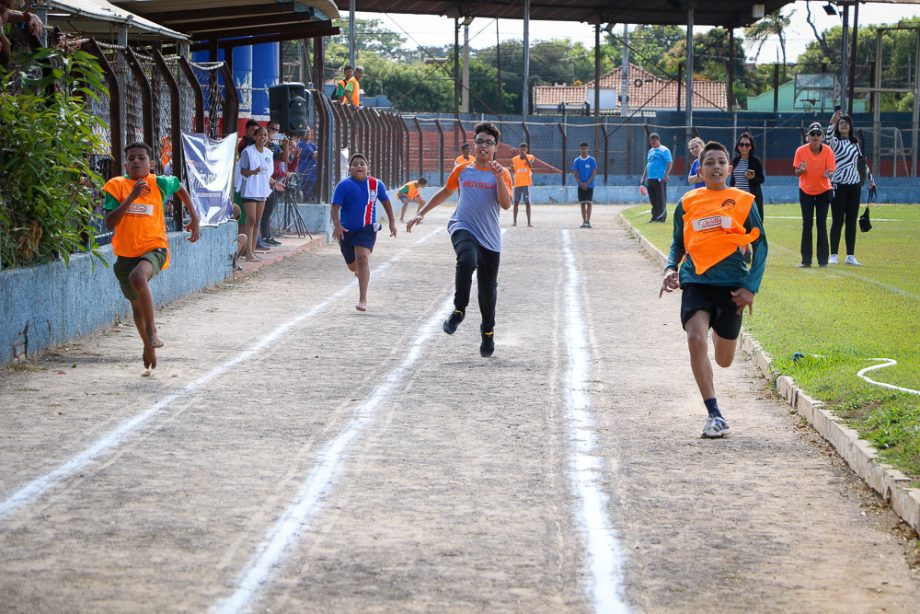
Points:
[(272, 242), (451, 323), (487, 347)]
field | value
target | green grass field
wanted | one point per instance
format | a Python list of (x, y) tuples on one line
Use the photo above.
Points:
[(845, 315)]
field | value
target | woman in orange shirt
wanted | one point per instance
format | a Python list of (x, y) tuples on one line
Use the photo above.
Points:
[(814, 166)]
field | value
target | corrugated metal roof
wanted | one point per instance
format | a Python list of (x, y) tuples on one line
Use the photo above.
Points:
[(93, 17)]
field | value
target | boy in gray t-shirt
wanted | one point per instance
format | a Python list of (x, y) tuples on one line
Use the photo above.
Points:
[(485, 185)]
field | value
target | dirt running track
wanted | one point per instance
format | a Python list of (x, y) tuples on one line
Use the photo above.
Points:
[(293, 455)]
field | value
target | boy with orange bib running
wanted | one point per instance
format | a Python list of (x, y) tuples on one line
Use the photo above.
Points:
[(712, 226), (134, 207)]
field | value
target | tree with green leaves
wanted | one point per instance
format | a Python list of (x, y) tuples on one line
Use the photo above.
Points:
[(773, 24)]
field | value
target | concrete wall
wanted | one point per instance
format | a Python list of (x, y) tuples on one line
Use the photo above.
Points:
[(45, 305)]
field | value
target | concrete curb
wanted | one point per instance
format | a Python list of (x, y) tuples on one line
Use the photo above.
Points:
[(859, 454), (277, 255)]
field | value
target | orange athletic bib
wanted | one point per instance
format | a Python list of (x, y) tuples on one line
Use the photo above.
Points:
[(714, 225), (143, 227)]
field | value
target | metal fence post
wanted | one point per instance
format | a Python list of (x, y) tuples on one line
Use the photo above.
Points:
[(437, 122), (421, 147), (111, 80), (145, 94), (562, 166)]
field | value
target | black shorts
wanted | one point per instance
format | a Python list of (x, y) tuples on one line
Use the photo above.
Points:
[(522, 192), (585, 195), (717, 301)]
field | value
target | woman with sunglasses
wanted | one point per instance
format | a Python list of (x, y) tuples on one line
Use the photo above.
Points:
[(747, 173), (847, 185), (814, 165)]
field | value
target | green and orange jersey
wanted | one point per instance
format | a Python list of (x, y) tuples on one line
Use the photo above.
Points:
[(710, 227), (522, 171), (353, 92), (410, 189), (463, 160), (143, 227)]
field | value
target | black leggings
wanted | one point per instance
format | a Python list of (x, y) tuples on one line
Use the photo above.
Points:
[(471, 256), (845, 209)]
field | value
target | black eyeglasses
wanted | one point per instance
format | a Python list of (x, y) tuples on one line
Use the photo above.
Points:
[(487, 142), (744, 144), (814, 134)]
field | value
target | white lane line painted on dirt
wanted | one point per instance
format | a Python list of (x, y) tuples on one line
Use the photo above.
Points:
[(39, 485), (605, 556), (270, 553), (886, 362)]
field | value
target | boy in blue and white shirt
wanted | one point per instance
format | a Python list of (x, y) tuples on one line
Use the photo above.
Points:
[(354, 220)]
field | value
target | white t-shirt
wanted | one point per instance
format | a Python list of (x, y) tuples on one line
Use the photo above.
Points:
[(256, 187)]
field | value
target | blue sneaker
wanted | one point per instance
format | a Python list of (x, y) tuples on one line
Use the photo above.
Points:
[(487, 347), (715, 427)]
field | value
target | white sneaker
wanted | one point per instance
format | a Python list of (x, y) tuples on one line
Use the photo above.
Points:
[(852, 260), (832, 259)]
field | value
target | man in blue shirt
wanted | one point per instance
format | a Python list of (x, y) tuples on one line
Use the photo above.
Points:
[(584, 168), (657, 171), (354, 220)]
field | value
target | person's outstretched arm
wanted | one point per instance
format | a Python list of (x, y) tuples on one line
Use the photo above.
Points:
[(194, 226)]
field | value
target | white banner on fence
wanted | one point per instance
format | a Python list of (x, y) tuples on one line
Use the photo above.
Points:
[(209, 166)]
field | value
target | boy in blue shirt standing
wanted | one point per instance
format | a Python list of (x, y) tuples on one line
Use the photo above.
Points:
[(354, 220), (584, 168), (712, 227)]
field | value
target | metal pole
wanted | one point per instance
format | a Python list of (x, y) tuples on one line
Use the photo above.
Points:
[(351, 32), (689, 71), (465, 92), (730, 86), (597, 73), (851, 79), (624, 74), (456, 67), (843, 57), (876, 102), (498, 64), (525, 95), (916, 118)]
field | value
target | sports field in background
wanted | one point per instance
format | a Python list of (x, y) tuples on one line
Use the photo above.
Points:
[(841, 316)]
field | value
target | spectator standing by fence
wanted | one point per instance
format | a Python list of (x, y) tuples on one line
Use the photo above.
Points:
[(352, 94), (814, 165), (522, 165), (694, 177), (306, 165), (655, 176), (339, 93), (847, 185), (747, 170), (256, 167), (584, 168)]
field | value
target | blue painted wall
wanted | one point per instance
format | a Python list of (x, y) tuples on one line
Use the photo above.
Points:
[(43, 306)]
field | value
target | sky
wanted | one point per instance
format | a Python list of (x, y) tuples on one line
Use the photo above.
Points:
[(435, 31)]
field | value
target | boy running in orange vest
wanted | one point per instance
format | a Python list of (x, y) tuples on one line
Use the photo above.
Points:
[(712, 226), (134, 205)]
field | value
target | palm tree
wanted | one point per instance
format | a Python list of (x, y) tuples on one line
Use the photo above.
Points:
[(774, 24)]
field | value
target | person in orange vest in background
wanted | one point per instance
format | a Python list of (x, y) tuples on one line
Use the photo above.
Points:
[(352, 94), (409, 193), (339, 93), (712, 226), (465, 156), (523, 178)]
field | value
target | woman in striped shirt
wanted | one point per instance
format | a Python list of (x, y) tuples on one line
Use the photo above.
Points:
[(847, 185), (747, 170)]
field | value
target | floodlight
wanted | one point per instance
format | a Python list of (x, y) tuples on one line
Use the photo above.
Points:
[(829, 9)]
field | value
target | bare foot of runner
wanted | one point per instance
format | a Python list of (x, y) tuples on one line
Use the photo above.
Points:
[(154, 341), (361, 306)]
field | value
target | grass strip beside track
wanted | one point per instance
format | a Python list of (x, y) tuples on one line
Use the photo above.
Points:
[(839, 318)]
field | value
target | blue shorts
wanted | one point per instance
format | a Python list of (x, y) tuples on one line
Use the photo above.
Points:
[(363, 237)]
